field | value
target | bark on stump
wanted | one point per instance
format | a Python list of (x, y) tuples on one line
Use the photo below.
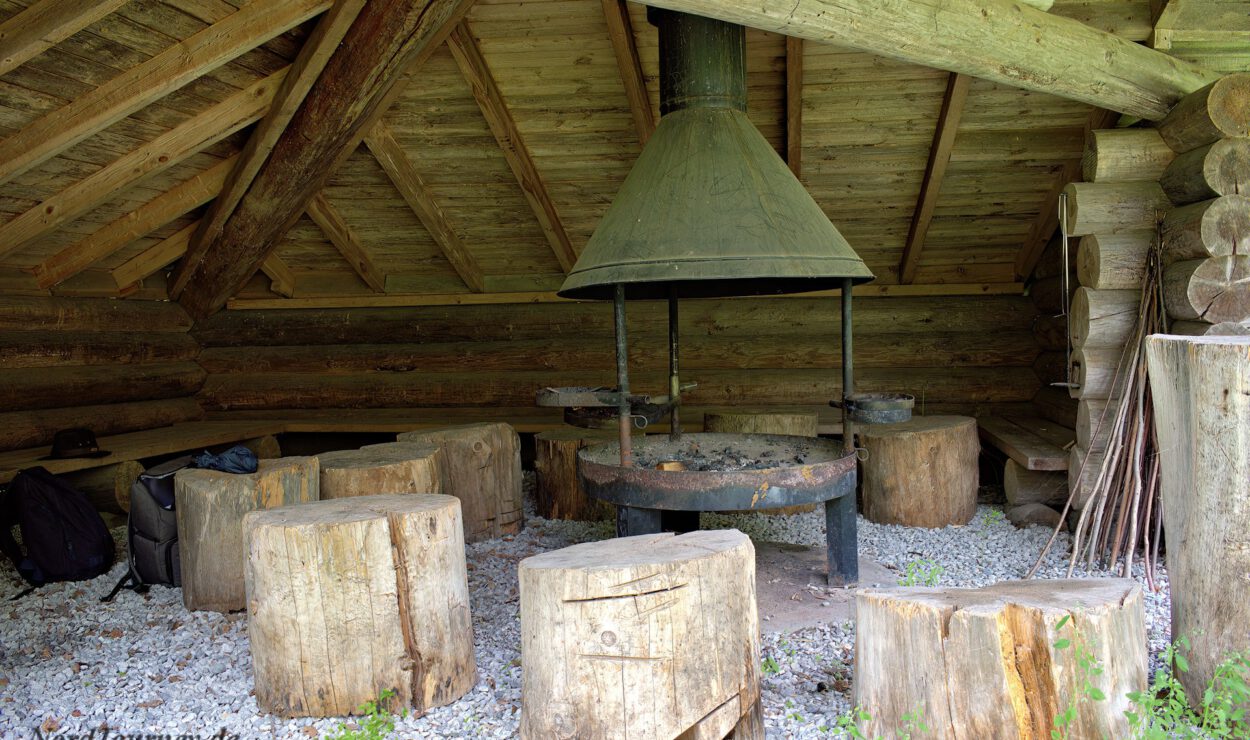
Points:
[(350, 597), (987, 662), (210, 508), (483, 470), (920, 473), (654, 636), (1201, 388), (559, 494), (380, 469), (797, 424)]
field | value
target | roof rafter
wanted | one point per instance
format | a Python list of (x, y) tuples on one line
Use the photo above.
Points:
[(304, 72), (399, 168), (151, 260), (239, 32), (486, 92), (388, 39), (625, 46), (193, 135), (45, 24), (282, 279), (931, 187), (325, 215)]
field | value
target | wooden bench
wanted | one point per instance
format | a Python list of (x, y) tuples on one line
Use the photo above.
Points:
[(1034, 443)]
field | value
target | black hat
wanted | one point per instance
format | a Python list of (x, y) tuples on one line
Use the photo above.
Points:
[(69, 443)]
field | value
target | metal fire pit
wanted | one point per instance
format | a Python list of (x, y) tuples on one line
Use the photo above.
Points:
[(781, 470)]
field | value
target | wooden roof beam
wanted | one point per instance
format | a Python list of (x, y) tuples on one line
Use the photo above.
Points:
[(621, 34), (239, 32), (794, 105), (45, 24), (307, 67), (325, 215), (996, 40), (1047, 220), (388, 38), (137, 224), (473, 66), (281, 277), (931, 186), (417, 195), (230, 115), (151, 260)]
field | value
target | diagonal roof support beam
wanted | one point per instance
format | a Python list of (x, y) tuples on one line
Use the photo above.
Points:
[(931, 186), (621, 34), (45, 24), (495, 110), (326, 216), (358, 83), (995, 40)]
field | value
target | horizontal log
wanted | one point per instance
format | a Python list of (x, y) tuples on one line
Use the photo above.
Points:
[(1096, 373), (715, 387), (1054, 404), (1203, 329), (1213, 290), (1047, 293), (699, 352), (54, 387), (1094, 421), (107, 487), (1114, 261), (1051, 262), (730, 318), (1083, 470), (22, 429), (1051, 367), (1213, 228), (1125, 155), (27, 313), (1110, 207), (1222, 168), (1051, 332), (20, 349), (1103, 318), (1217, 111)]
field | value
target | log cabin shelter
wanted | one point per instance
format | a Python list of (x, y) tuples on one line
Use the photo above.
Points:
[(240, 218)]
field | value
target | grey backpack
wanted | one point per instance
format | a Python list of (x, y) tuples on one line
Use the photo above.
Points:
[(152, 534)]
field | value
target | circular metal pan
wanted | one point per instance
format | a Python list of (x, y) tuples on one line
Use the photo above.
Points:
[(880, 408)]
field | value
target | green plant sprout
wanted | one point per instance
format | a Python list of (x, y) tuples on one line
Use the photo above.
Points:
[(1164, 711), (922, 572), (376, 723), (770, 667), (1087, 667)]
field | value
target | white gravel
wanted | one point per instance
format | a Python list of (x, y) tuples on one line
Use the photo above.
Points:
[(70, 664)]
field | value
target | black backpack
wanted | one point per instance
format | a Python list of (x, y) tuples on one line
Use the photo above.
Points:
[(152, 531), (63, 536)]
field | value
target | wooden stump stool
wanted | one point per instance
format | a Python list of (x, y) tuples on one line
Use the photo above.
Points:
[(744, 422), (483, 470), (922, 472), (379, 469), (654, 636), (559, 494), (350, 597), (210, 506), (990, 662)]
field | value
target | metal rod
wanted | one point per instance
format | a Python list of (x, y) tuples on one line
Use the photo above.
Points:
[(622, 377), (674, 382), (848, 374)]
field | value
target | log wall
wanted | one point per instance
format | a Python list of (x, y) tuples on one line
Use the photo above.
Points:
[(109, 365), (956, 355)]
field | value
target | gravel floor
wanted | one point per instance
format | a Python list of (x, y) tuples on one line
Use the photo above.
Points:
[(69, 664)]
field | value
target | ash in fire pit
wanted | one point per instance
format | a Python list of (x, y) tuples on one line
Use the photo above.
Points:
[(723, 459)]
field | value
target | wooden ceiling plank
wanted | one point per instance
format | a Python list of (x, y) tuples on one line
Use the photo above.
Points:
[(935, 171), (794, 105), (399, 168), (325, 215), (996, 40), (312, 59), (388, 39), (282, 279), (468, 54), (45, 24), (230, 115), (1047, 220), (48, 136), (140, 222), (151, 260), (625, 47)]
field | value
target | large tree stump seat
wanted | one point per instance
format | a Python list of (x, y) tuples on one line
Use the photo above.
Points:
[(210, 506), (380, 469), (559, 494), (920, 473), (354, 596), (483, 470), (993, 662), (654, 636)]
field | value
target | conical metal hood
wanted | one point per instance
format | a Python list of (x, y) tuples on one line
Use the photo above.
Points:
[(709, 208)]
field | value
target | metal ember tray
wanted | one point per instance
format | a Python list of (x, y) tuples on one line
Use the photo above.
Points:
[(723, 472), (583, 397)]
